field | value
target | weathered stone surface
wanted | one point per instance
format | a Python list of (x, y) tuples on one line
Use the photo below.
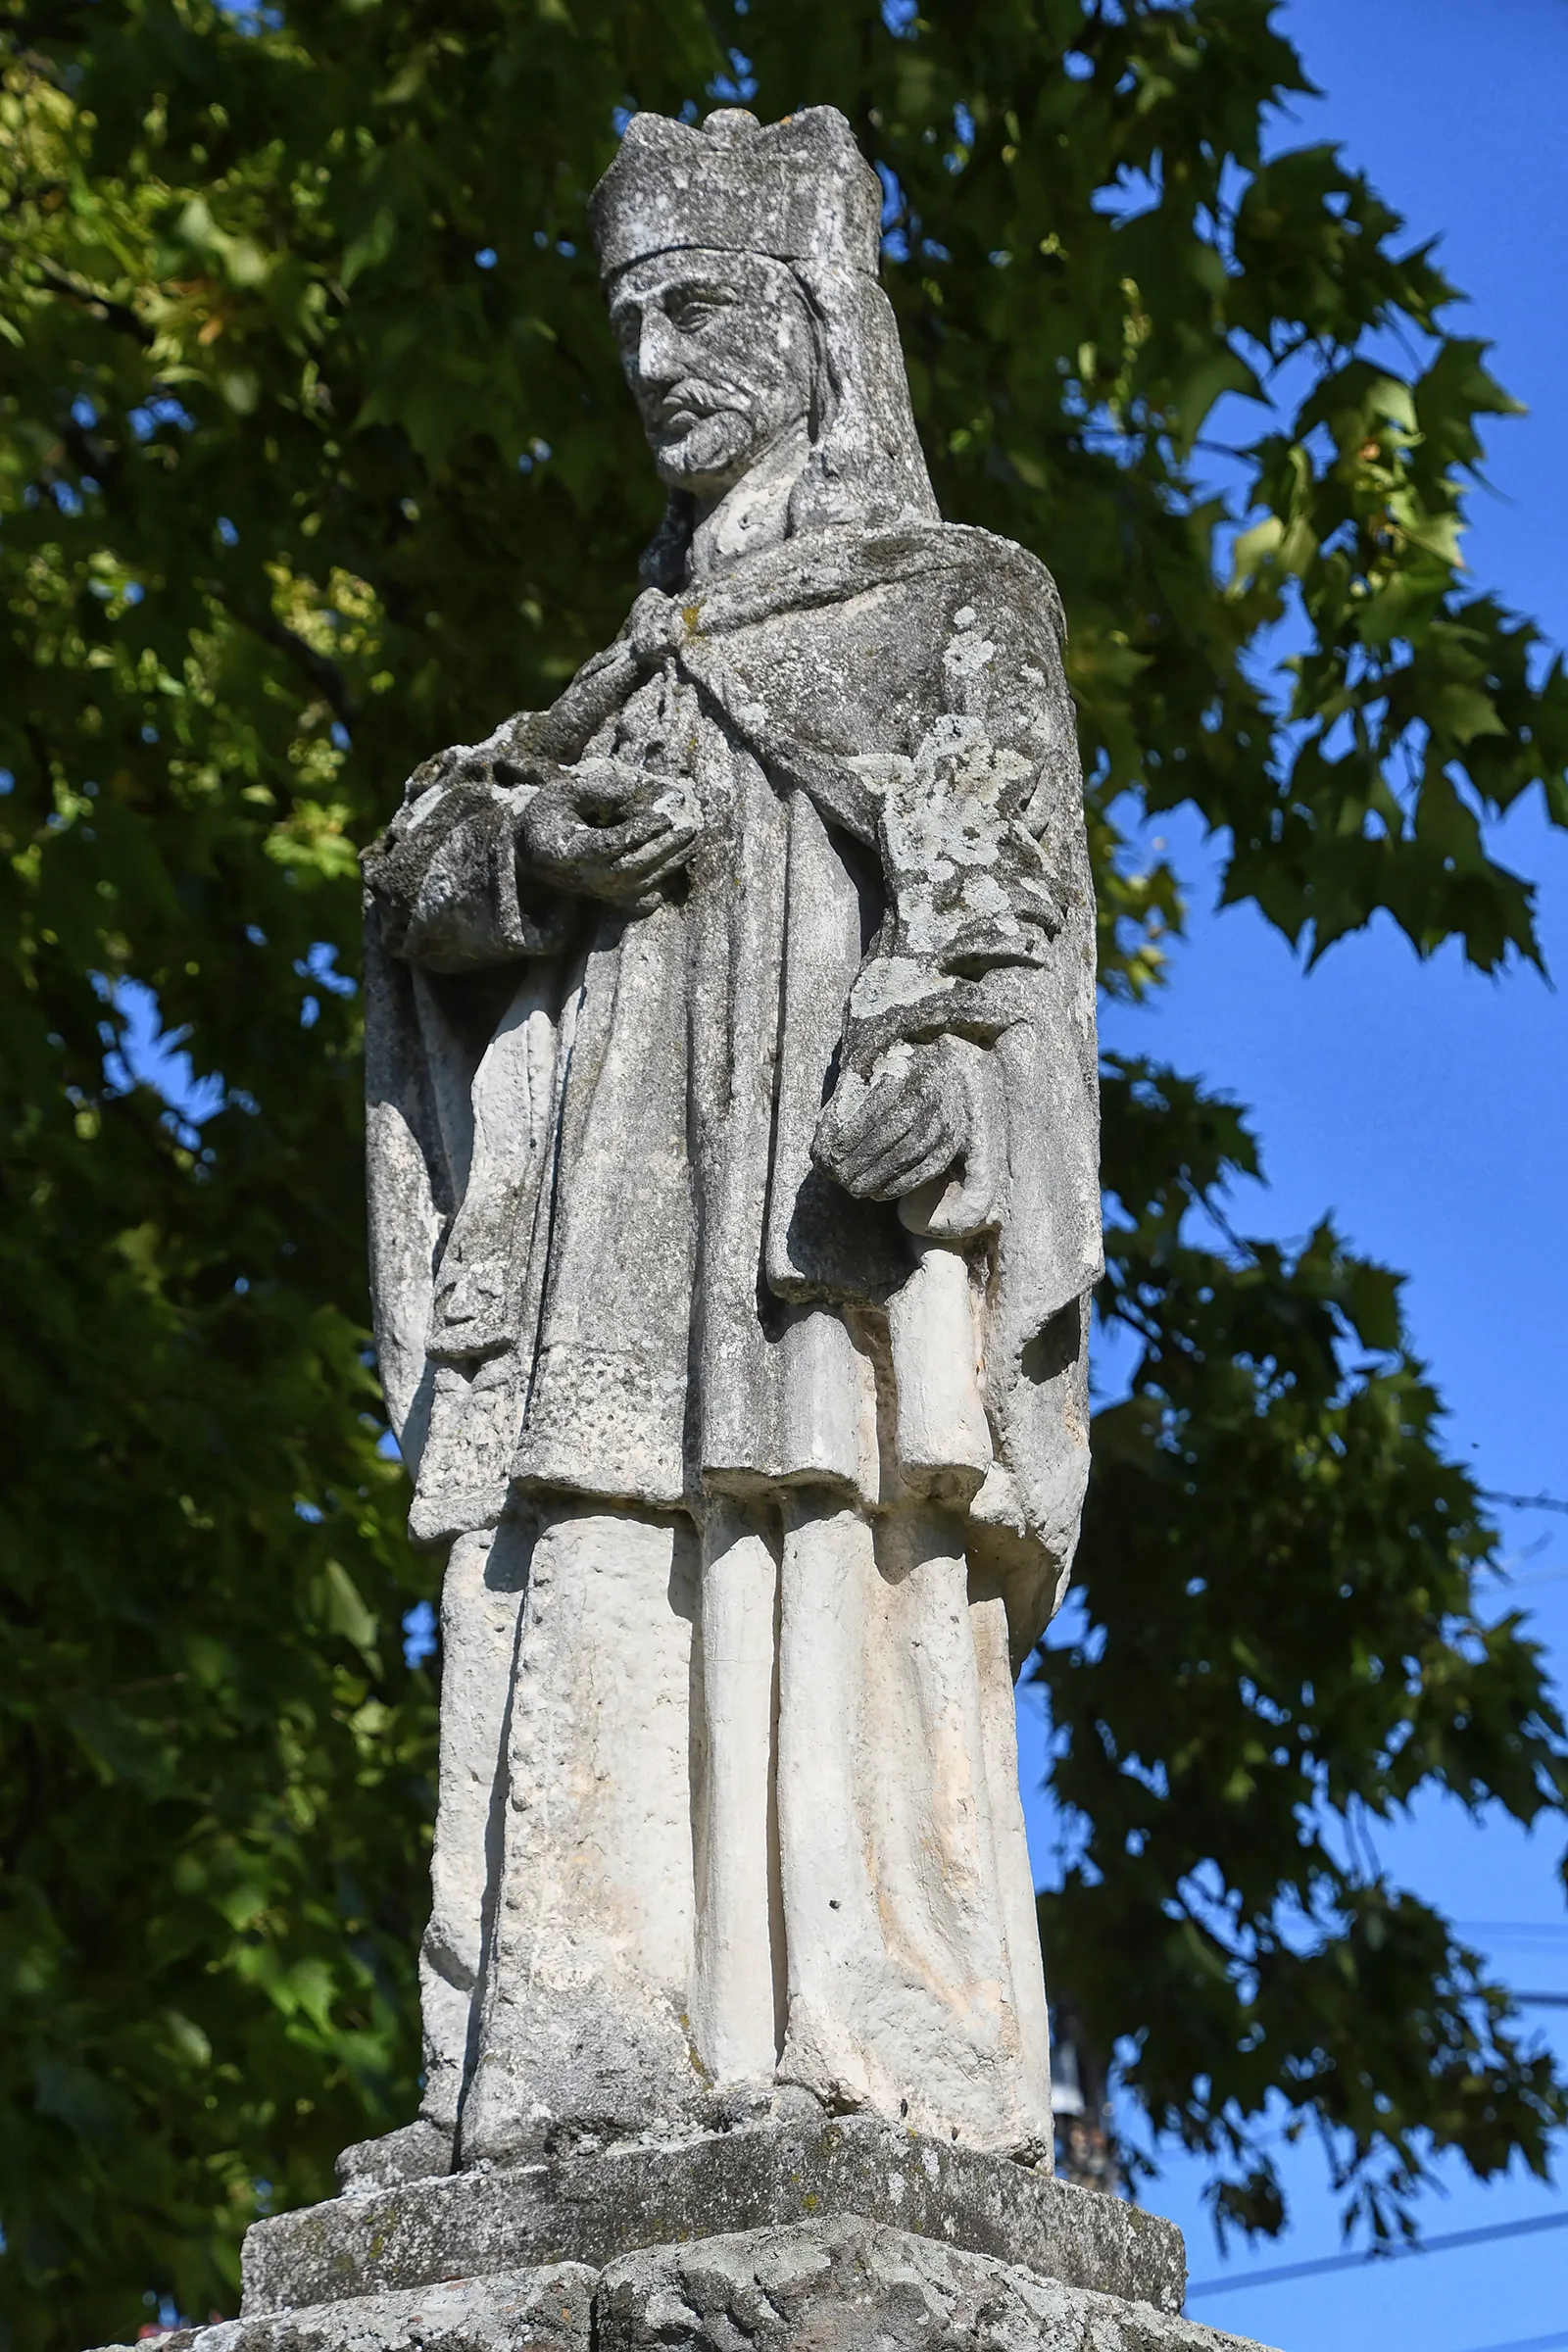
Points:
[(593, 2208), (419, 2151), (852, 2284), (841, 2284), (734, 1213), (544, 2310)]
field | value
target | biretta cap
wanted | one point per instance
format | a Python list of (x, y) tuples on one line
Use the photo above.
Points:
[(799, 190)]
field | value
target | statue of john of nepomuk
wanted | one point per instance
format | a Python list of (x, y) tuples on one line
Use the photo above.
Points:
[(734, 1205)]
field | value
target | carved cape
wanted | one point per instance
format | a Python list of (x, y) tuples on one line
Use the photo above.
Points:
[(603, 1259)]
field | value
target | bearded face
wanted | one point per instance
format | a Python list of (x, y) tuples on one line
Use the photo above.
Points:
[(717, 350)]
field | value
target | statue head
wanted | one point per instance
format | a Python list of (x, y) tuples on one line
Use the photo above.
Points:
[(719, 354), (741, 270)]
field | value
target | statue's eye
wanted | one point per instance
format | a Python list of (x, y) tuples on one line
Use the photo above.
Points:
[(691, 313)]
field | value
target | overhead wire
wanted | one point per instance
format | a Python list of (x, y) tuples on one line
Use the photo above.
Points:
[(1528, 2343), (1443, 2244), (1506, 1930)]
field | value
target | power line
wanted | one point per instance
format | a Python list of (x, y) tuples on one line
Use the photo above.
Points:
[(1353, 2261), (1528, 2343)]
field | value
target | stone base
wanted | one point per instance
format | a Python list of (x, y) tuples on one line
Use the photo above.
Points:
[(591, 2209), (837, 2234), (848, 2285), (845, 2284)]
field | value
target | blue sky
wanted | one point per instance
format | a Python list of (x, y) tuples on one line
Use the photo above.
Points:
[(1425, 1106)]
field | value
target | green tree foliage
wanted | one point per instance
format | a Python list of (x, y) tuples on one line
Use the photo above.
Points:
[(314, 457)]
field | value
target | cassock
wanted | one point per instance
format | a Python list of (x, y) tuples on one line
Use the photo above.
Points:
[(758, 1492)]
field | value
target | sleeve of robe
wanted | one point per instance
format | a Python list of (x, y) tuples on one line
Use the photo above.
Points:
[(442, 917), (444, 906), (1039, 1073), (1048, 1249)]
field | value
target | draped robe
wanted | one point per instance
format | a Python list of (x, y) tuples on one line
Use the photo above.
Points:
[(801, 1473)]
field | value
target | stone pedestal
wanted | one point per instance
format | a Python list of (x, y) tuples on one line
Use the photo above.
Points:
[(591, 2209), (843, 2232)]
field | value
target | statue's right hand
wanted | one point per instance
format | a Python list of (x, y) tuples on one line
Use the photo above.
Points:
[(609, 830)]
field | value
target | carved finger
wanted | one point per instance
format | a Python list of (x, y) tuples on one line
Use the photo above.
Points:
[(671, 861), (910, 1178), (644, 861), (882, 1129), (858, 1113), (594, 860), (632, 833), (880, 1172), (934, 1132), (859, 1122)]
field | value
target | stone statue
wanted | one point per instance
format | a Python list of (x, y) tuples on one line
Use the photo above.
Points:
[(734, 1211)]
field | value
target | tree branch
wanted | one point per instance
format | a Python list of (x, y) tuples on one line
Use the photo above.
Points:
[(97, 305), (1522, 1502)]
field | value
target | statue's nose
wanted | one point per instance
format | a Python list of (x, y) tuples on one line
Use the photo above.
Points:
[(658, 355)]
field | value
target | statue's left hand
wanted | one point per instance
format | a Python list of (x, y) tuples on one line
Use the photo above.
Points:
[(884, 1138), (609, 830)]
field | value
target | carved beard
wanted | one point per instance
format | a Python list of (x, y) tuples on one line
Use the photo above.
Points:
[(716, 448)]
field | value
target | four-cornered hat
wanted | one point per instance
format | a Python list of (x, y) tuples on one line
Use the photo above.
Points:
[(799, 190)]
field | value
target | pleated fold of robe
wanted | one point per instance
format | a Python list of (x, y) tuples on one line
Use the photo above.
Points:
[(620, 1309)]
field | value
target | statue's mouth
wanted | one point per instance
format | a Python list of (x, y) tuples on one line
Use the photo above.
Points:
[(684, 407)]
